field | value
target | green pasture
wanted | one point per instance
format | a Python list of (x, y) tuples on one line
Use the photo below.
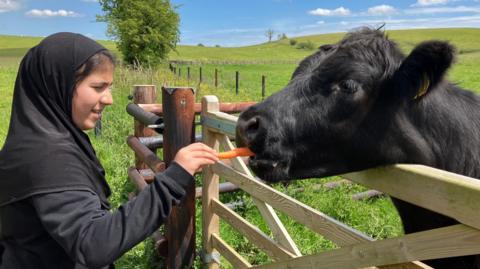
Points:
[(275, 60)]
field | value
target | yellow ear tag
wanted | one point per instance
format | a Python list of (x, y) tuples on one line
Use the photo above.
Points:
[(423, 88)]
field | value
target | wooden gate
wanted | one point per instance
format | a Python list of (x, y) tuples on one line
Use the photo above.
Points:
[(450, 194)]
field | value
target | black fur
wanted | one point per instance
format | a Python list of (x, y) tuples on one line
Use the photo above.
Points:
[(352, 106)]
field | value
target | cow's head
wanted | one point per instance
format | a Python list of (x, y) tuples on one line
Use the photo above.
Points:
[(336, 113)]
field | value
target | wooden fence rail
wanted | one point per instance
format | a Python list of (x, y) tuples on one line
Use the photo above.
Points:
[(446, 193)]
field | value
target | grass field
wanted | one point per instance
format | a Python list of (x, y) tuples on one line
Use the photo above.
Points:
[(375, 217)]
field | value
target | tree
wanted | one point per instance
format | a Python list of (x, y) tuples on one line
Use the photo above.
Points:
[(145, 30), (269, 34), (282, 36)]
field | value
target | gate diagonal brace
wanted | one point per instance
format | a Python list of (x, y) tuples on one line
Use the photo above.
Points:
[(210, 257)]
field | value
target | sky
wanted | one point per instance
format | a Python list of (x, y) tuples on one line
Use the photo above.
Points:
[(232, 23)]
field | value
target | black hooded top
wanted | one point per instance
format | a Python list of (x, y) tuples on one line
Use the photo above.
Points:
[(54, 211), (43, 144)]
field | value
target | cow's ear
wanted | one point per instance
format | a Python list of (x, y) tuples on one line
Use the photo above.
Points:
[(423, 68)]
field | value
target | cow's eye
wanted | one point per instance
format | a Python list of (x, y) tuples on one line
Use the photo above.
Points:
[(349, 86)]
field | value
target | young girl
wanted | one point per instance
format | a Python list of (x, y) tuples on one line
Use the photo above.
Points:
[(54, 210)]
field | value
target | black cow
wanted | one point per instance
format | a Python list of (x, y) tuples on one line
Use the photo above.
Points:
[(361, 103)]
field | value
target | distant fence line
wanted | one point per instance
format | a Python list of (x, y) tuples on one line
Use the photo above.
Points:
[(200, 62), (214, 79)]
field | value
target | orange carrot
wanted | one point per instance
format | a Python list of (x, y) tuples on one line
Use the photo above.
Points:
[(238, 152)]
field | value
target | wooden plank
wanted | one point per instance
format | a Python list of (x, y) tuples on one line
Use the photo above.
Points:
[(456, 240), (447, 193), (280, 234), (220, 122), (330, 228), (224, 107), (407, 265), (253, 233), (229, 253), (210, 187)]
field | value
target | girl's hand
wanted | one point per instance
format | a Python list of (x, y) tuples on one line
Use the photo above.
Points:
[(194, 156)]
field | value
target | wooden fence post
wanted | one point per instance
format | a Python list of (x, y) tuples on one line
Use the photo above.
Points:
[(210, 190), (179, 72), (263, 87), (200, 75), (216, 77), (188, 74), (237, 77), (179, 116), (143, 94)]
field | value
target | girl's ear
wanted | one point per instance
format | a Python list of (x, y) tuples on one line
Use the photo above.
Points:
[(423, 69)]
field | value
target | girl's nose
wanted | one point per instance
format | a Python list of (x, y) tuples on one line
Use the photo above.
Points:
[(107, 98)]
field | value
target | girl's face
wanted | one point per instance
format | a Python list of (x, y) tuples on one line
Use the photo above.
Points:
[(91, 96)]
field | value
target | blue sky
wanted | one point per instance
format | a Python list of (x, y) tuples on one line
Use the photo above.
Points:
[(244, 22)]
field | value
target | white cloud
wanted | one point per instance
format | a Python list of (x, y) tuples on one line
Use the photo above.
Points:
[(320, 22), (423, 3), (47, 13), (341, 11), (436, 10), (9, 5), (391, 24), (382, 10)]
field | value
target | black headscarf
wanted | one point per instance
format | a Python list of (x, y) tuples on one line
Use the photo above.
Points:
[(44, 151)]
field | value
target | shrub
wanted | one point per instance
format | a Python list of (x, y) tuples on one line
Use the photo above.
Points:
[(200, 45), (293, 42), (308, 45)]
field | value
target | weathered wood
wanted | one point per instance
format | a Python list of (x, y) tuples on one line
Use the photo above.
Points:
[(143, 94), (179, 132), (330, 228), (145, 155), (253, 233), (210, 221), (229, 253), (224, 107), (447, 193), (456, 240), (280, 234), (136, 178), (220, 122)]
